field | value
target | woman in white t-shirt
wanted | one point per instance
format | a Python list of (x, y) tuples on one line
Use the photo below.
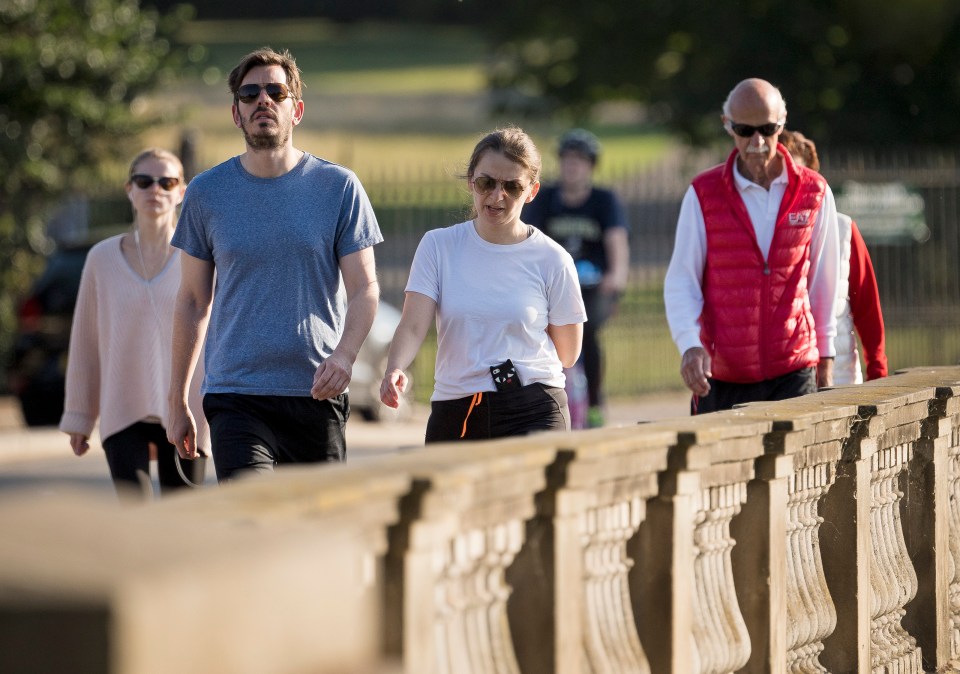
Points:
[(507, 306), (118, 366)]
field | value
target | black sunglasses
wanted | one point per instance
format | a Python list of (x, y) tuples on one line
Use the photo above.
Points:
[(278, 91), (144, 181), (747, 131), (486, 185)]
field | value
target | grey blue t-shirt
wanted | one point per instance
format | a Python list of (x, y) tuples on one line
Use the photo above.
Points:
[(279, 302)]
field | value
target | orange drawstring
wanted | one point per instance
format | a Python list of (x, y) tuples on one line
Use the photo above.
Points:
[(477, 397)]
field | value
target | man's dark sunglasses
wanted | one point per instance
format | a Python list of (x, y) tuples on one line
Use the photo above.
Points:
[(747, 131), (485, 185), (248, 93), (144, 181)]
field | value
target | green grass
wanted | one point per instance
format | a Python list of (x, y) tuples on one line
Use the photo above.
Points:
[(918, 345), (320, 45), (444, 79)]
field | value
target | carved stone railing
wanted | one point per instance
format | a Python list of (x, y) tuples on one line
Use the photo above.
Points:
[(819, 534)]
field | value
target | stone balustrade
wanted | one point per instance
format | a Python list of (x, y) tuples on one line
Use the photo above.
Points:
[(819, 534)]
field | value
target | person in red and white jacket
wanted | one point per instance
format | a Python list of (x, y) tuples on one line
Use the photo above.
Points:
[(751, 285), (863, 300), (858, 299)]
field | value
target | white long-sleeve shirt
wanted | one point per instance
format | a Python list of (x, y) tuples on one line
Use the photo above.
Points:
[(683, 285)]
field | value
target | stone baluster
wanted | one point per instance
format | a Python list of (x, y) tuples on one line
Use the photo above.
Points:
[(460, 529), (932, 525), (788, 604), (610, 638), (720, 632), (662, 580), (952, 570), (863, 530), (893, 578), (688, 534), (811, 612), (903, 434), (574, 566), (471, 598)]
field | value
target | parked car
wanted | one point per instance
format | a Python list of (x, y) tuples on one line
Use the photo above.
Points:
[(369, 368), (37, 371), (39, 360)]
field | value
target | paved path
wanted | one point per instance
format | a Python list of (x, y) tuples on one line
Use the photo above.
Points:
[(40, 459)]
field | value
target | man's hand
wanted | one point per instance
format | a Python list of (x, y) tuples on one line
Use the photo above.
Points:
[(332, 377), (695, 368), (825, 372), (182, 431)]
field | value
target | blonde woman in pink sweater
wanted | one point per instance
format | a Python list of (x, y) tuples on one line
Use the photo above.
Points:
[(118, 368)]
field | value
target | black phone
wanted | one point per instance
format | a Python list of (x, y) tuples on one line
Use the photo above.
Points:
[(505, 376)]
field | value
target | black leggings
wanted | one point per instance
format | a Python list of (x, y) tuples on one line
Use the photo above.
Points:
[(599, 306), (128, 455), (492, 414)]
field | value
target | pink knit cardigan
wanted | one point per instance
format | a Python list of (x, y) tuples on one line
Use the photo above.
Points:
[(118, 367)]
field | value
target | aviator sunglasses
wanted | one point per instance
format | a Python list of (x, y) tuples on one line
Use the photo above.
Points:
[(485, 185), (747, 131), (144, 181), (278, 91)]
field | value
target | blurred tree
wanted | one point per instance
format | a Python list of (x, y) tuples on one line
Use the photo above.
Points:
[(72, 76), (870, 71), (428, 11)]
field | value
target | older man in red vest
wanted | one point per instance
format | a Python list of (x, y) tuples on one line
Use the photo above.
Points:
[(751, 286)]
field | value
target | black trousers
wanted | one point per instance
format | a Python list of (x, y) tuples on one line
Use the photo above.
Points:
[(255, 433), (725, 395), (493, 414), (128, 455)]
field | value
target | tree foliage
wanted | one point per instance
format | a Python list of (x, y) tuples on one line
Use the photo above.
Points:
[(72, 77), (867, 71)]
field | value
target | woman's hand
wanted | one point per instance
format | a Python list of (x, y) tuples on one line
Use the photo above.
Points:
[(394, 383), (418, 315), (79, 444)]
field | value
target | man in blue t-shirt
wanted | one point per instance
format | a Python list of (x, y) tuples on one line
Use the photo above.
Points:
[(590, 223), (288, 239)]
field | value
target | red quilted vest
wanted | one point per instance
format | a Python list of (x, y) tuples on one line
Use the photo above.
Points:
[(756, 322)]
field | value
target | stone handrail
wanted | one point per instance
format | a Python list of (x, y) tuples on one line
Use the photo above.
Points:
[(819, 534)]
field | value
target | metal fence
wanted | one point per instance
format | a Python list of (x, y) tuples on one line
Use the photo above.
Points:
[(906, 203)]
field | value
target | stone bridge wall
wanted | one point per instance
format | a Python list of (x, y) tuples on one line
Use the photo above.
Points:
[(820, 534)]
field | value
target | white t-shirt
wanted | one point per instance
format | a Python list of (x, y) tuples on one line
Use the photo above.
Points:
[(494, 302)]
